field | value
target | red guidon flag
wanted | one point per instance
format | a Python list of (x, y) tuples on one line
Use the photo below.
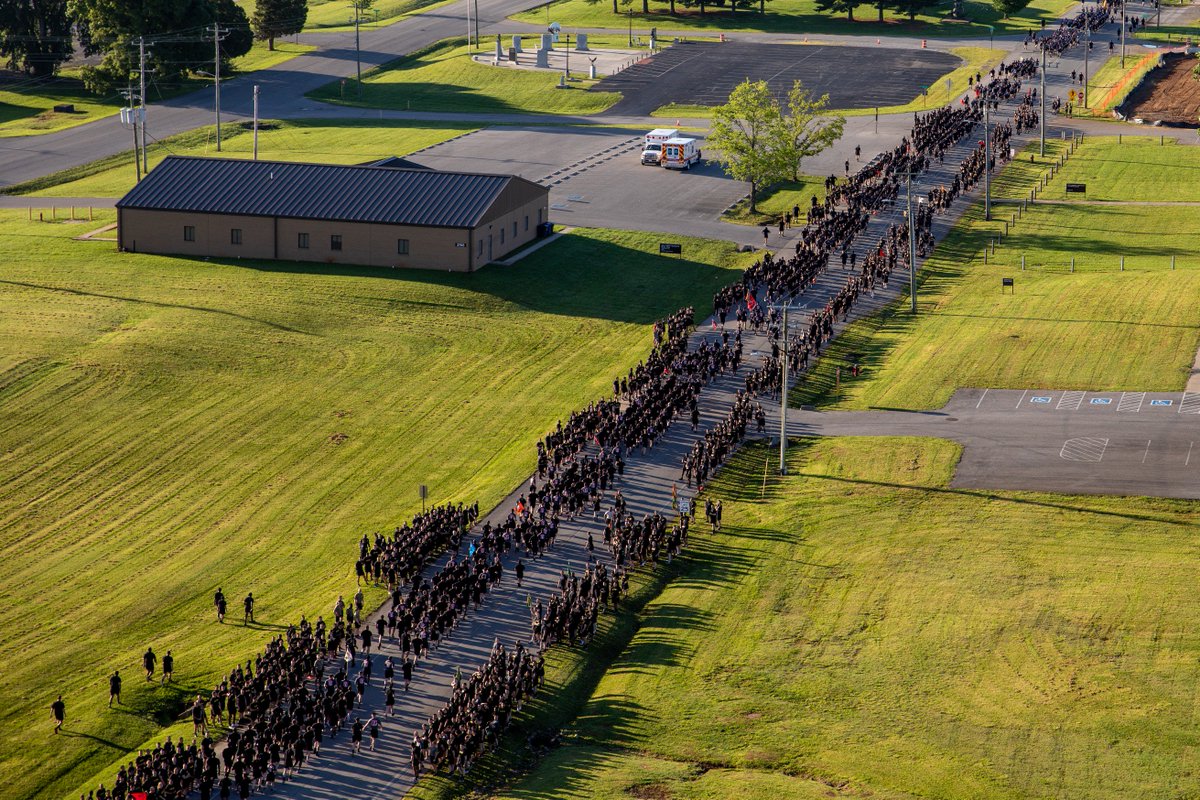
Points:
[(139, 796), (751, 303)]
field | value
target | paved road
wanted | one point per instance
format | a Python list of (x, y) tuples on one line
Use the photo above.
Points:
[(1072, 442), (282, 92)]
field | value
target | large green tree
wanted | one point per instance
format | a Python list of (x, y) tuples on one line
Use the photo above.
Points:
[(275, 18), (747, 133), (911, 7), (1009, 7), (35, 35), (178, 34), (807, 128)]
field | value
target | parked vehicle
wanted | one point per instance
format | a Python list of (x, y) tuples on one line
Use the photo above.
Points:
[(652, 147), (680, 153)]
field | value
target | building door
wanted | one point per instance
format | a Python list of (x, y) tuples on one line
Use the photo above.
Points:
[(489, 247)]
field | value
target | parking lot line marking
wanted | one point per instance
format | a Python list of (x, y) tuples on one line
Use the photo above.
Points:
[(1147, 451), (1131, 401), (1022, 400), (1187, 460), (1190, 404), (1070, 401), (985, 391), (1085, 448)]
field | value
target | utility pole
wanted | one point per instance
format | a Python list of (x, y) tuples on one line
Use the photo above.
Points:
[(1087, 49), (567, 53), (476, 3), (1123, 20), (219, 34), (256, 122), (912, 247), (469, 50), (129, 113), (141, 118), (783, 392), (357, 49), (1042, 152), (987, 158)]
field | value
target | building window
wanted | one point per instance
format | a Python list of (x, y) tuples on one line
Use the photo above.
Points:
[(335, 242), (189, 233), (235, 235), (539, 216), (527, 223), (402, 247), (514, 229), (502, 235), (302, 241), (481, 247)]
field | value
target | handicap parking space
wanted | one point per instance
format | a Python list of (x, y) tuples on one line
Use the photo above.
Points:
[(989, 401)]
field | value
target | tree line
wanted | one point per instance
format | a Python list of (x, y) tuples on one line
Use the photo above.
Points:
[(39, 36)]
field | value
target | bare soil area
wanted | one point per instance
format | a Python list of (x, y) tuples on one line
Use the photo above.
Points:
[(1170, 94)]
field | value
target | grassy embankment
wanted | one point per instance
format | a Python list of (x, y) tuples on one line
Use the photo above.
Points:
[(328, 141), (865, 631), (442, 78), (800, 16), (175, 425), (1095, 328)]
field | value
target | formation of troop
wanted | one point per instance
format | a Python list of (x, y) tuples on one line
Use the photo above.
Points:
[(479, 710)]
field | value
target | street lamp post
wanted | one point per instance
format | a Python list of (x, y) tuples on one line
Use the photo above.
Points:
[(987, 159), (1087, 50), (1042, 152), (912, 247)]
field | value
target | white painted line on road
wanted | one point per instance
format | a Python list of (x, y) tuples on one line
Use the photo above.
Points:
[(1070, 401), (1190, 404), (1022, 400), (985, 391), (1131, 401), (1085, 448), (1147, 450), (1187, 460)]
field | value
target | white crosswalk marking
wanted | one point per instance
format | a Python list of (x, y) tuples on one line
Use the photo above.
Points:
[(1084, 448), (1131, 401), (1190, 404), (1070, 401)]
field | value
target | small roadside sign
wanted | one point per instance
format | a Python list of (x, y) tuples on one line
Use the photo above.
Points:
[(670, 248), (1076, 188), (685, 506)]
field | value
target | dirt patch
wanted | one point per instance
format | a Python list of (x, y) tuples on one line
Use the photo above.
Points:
[(1170, 94), (338, 438), (650, 791)]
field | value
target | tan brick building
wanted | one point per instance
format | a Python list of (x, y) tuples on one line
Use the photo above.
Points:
[(371, 215)]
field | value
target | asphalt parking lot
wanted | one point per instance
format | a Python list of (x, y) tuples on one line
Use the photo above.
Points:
[(1074, 442), (704, 73)]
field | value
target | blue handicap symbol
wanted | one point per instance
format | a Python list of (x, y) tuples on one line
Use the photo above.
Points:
[(1101, 401), (1040, 399), (1160, 402)]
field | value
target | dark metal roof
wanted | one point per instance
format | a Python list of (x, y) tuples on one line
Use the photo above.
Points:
[(395, 161), (372, 194)]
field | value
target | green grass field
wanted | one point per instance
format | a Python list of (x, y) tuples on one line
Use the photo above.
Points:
[(442, 78), (328, 141), (26, 106), (172, 425), (1138, 169), (798, 16), (867, 631), (1097, 328), (337, 15), (778, 201)]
